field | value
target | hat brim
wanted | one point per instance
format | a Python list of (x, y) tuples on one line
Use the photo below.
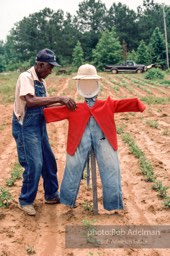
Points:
[(54, 64), (86, 77)]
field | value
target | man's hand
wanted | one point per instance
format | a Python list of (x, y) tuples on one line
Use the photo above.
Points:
[(70, 103)]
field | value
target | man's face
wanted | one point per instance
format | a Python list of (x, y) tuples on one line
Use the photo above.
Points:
[(44, 69)]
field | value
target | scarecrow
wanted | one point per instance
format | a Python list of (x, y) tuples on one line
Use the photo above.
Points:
[(92, 126)]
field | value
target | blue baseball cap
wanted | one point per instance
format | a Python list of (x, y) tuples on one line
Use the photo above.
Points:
[(47, 55)]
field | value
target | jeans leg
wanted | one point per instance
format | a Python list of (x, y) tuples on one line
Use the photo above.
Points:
[(31, 175), (29, 147), (109, 168), (49, 170), (73, 171)]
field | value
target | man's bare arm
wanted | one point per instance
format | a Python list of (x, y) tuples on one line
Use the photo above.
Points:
[(33, 101)]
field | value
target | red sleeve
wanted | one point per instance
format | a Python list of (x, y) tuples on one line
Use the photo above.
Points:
[(56, 114), (127, 105)]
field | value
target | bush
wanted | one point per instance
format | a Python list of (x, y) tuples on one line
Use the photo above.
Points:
[(168, 71), (154, 73)]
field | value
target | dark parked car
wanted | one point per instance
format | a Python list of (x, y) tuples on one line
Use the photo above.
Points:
[(128, 66)]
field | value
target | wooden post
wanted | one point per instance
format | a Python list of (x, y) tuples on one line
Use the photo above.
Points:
[(166, 38), (88, 171), (94, 183)]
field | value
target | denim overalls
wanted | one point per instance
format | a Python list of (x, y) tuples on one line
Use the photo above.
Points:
[(34, 152), (108, 162)]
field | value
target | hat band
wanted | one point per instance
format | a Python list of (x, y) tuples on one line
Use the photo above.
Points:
[(46, 59)]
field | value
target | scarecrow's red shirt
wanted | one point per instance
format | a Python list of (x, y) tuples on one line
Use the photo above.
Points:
[(102, 111)]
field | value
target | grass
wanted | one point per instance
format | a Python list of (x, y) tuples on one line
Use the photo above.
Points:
[(88, 206), (160, 188), (147, 168), (5, 197), (120, 129), (153, 123), (167, 202), (30, 250), (7, 86), (51, 91), (152, 100), (134, 149), (165, 83), (90, 231), (2, 127), (166, 132), (15, 175), (145, 165)]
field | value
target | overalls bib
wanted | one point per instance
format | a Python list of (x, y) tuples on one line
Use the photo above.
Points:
[(34, 152)]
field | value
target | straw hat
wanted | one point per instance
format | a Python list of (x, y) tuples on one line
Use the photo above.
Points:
[(87, 71)]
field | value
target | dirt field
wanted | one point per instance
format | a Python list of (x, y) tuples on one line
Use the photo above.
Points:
[(44, 234)]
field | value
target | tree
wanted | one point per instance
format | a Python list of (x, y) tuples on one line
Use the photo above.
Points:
[(2, 57), (108, 49), (125, 22), (132, 55), (59, 32), (143, 56), (91, 16), (44, 29), (78, 55), (29, 36), (90, 21), (157, 47), (124, 51), (150, 16)]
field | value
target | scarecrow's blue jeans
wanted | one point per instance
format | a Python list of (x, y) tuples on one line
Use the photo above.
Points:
[(35, 156), (108, 164)]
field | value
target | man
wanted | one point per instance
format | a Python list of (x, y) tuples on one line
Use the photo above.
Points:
[(29, 130)]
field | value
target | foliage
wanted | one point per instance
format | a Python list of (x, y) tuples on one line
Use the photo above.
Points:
[(15, 175), (5, 197), (152, 100), (91, 16), (7, 88), (146, 168), (88, 206), (154, 73), (30, 250), (125, 22), (143, 54), (162, 190), (108, 49), (78, 55), (153, 123), (132, 55), (168, 71), (61, 32), (157, 48), (167, 202)]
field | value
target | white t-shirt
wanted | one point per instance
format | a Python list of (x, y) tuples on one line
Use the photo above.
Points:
[(24, 86)]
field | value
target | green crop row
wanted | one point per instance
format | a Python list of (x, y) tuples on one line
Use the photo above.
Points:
[(145, 166)]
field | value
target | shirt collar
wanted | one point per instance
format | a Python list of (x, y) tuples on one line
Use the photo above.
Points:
[(91, 99), (34, 74)]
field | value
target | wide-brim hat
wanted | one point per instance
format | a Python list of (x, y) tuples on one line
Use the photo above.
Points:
[(87, 71)]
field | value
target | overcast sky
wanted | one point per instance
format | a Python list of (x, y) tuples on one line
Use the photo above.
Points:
[(12, 11)]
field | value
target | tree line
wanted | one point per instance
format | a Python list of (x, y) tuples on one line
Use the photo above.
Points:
[(95, 34)]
